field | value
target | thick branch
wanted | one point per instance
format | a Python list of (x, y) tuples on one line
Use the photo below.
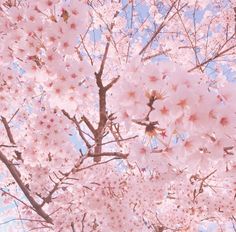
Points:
[(102, 105), (73, 227), (100, 72), (102, 97), (116, 154), (15, 174), (8, 130), (102, 122), (112, 83), (82, 222)]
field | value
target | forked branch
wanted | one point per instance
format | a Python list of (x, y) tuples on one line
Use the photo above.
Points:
[(15, 174)]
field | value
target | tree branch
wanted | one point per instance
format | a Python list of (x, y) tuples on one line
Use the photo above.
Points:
[(15, 174), (89, 124), (98, 163), (16, 198), (102, 105), (212, 58), (8, 130), (108, 86), (73, 227), (116, 154), (161, 26), (74, 120)]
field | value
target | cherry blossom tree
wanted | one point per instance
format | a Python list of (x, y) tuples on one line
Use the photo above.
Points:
[(118, 115)]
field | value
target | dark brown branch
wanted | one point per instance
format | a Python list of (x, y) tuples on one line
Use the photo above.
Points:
[(73, 227), (116, 154), (13, 115), (112, 83), (8, 130), (102, 96), (150, 103), (15, 174), (145, 122), (4, 145), (82, 222), (89, 124), (74, 120), (48, 199), (228, 150), (102, 106)]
